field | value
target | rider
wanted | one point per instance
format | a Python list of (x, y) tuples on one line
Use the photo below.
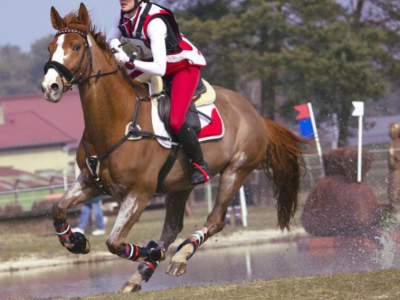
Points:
[(161, 50)]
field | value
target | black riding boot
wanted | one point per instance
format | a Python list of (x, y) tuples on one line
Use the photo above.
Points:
[(199, 171)]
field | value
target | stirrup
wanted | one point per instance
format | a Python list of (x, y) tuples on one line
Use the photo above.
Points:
[(199, 174)]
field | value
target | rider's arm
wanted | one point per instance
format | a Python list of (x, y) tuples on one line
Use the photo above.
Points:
[(157, 32), (114, 40)]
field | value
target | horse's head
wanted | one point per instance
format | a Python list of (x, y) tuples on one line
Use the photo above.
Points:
[(69, 53)]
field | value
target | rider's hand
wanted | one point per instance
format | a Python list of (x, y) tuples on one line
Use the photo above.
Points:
[(120, 56)]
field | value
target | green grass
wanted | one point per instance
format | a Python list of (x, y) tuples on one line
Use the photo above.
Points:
[(27, 198), (383, 284)]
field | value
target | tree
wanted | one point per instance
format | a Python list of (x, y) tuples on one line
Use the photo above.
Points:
[(338, 61), (243, 44), (14, 71), (315, 51), (39, 56), (21, 72)]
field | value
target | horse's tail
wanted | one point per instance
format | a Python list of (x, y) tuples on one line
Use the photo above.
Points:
[(283, 164)]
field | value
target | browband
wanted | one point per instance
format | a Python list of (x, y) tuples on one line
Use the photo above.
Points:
[(64, 31)]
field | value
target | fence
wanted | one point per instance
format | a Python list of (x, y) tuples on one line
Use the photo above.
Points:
[(26, 197), (258, 185)]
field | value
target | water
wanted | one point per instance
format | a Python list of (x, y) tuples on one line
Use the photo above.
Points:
[(223, 265)]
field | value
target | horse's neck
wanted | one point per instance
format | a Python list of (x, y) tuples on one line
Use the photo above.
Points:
[(107, 103)]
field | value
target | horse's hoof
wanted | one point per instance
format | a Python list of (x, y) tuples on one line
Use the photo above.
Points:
[(176, 268), (130, 287), (81, 244), (87, 247)]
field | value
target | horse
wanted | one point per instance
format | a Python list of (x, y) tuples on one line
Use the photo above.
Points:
[(128, 170)]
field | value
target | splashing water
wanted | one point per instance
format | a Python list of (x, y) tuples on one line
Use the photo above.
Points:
[(385, 256)]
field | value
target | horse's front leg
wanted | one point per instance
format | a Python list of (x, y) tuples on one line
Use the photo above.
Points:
[(175, 212), (132, 207), (79, 192), (173, 224)]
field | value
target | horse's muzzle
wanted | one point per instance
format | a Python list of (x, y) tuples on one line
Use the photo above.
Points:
[(52, 87)]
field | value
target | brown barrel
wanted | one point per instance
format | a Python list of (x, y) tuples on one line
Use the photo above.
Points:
[(394, 130)]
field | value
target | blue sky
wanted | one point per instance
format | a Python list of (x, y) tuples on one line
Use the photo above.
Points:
[(24, 21)]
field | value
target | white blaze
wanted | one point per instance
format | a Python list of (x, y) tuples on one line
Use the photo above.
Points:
[(58, 56)]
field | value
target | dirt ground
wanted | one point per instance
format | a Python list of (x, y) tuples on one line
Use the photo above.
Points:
[(33, 244)]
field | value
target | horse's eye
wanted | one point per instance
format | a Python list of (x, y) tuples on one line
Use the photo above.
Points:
[(76, 47)]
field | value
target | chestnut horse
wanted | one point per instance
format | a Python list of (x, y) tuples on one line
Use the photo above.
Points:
[(128, 171)]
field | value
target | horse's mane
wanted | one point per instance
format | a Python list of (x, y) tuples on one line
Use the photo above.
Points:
[(71, 21)]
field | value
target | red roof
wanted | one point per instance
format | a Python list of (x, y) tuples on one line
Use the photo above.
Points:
[(6, 184), (31, 121), (11, 172)]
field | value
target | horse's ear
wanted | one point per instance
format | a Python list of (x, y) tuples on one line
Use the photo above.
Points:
[(57, 22), (83, 15)]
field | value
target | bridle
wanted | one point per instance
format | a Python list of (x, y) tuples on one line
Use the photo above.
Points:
[(134, 132), (70, 78)]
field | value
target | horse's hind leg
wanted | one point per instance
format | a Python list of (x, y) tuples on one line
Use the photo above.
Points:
[(79, 192), (173, 224), (230, 182)]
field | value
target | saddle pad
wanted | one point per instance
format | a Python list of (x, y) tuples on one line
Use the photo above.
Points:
[(156, 86), (209, 130)]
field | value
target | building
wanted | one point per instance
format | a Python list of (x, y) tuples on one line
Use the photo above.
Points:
[(38, 136)]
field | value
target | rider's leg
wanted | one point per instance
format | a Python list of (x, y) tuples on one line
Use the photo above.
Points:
[(184, 84)]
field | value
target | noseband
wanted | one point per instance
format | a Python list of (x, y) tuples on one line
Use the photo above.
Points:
[(70, 76)]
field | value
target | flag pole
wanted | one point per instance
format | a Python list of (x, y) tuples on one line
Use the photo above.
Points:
[(317, 142), (359, 112)]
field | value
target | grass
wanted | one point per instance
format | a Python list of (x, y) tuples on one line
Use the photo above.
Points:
[(36, 239), (383, 284), (27, 198)]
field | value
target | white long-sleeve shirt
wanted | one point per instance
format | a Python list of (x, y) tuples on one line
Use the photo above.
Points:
[(157, 32)]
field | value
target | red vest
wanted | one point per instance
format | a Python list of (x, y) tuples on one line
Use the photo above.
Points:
[(180, 52)]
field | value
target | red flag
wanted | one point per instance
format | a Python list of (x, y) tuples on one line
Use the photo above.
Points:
[(303, 111)]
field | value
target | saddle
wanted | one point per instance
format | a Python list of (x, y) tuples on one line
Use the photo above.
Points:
[(203, 95)]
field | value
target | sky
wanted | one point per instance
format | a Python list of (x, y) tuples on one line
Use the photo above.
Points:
[(22, 22)]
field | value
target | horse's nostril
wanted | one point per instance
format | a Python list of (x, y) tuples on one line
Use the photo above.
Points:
[(43, 89), (54, 87)]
